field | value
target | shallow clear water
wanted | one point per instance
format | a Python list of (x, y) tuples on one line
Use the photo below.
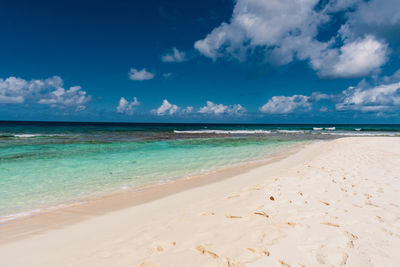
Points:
[(48, 164)]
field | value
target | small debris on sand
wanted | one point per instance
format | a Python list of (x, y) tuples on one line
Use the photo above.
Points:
[(233, 217), (262, 213), (330, 224)]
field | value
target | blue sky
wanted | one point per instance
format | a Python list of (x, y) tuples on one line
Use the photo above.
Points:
[(264, 61)]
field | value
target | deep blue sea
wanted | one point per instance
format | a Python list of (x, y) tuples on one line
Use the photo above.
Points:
[(48, 164)]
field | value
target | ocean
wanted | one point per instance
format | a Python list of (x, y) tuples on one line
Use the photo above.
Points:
[(50, 164)]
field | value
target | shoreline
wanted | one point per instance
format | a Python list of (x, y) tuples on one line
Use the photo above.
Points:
[(63, 215), (329, 203)]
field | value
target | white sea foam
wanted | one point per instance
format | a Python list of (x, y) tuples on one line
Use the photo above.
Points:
[(360, 134), (26, 135), (290, 131), (14, 216), (223, 132), (33, 135), (326, 128)]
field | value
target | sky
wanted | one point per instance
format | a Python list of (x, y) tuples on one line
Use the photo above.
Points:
[(244, 61)]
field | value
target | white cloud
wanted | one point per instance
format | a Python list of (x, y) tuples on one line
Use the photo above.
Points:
[(379, 98), (124, 106), (166, 108), (211, 108), (187, 110), (395, 77), (357, 58), (49, 92), (374, 15), (317, 96), (382, 96), (286, 104), (61, 98), (167, 75), (220, 109), (11, 99), (13, 90), (288, 29), (256, 23), (140, 75), (175, 56)]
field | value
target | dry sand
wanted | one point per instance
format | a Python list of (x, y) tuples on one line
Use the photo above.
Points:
[(332, 203)]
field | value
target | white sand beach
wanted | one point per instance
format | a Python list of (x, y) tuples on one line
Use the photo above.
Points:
[(332, 203)]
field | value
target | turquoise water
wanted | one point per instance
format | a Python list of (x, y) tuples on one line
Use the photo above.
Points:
[(44, 175), (49, 164)]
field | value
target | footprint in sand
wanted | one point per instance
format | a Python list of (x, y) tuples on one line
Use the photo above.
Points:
[(367, 196), (387, 231), (320, 258), (204, 251), (282, 263), (336, 258), (228, 262), (351, 237), (163, 246), (258, 251), (345, 256)]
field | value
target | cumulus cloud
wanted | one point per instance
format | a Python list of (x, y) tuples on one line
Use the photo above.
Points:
[(317, 96), (187, 110), (166, 108), (210, 109), (357, 58), (288, 29), (378, 98), (380, 95), (49, 91), (380, 17), (140, 75), (126, 107), (220, 109), (286, 104), (174, 56), (14, 90), (73, 97)]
